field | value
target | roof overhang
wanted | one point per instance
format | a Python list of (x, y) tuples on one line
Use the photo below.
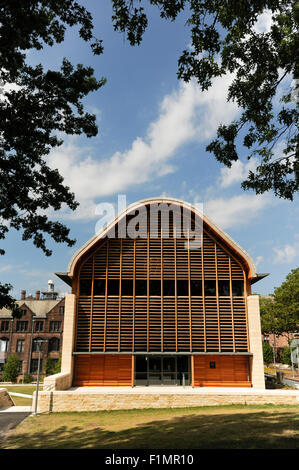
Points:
[(67, 277)]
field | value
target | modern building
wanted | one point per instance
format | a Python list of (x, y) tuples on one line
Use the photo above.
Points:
[(41, 323), (162, 296)]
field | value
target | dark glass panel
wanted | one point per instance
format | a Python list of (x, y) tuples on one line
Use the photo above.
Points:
[(223, 287), (127, 287), (238, 288), (99, 286), (140, 287), (168, 287), (196, 287), (182, 287), (155, 287), (85, 286), (210, 287), (113, 287)]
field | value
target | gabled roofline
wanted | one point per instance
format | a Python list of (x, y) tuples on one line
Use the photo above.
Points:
[(158, 200)]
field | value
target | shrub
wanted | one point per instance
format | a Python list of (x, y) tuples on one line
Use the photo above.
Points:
[(267, 353), (286, 356), (11, 369), (28, 379)]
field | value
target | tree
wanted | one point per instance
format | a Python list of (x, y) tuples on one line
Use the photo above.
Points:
[(49, 366), (280, 312), (267, 353), (35, 105), (11, 369), (225, 40)]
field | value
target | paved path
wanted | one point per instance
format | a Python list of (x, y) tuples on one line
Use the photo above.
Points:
[(11, 417)]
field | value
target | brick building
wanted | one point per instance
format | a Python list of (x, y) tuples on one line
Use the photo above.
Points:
[(42, 319)]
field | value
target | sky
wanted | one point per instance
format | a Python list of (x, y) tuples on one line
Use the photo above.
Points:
[(153, 130)]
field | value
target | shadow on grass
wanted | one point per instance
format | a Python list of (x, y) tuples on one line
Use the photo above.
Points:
[(261, 430)]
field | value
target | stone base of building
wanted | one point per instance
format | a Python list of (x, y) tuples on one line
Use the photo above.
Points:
[(126, 398)]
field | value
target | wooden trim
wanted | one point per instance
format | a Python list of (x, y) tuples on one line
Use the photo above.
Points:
[(217, 298), (189, 294), (91, 306), (231, 303), (192, 371), (134, 292), (161, 288), (133, 371), (106, 294), (175, 292), (120, 298), (203, 294)]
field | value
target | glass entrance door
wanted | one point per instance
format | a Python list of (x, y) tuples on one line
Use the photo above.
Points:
[(162, 370)]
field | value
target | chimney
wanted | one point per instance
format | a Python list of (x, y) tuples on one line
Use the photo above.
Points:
[(37, 294), (50, 286), (23, 294)]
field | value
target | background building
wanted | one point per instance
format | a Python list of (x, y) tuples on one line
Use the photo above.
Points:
[(42, 319)]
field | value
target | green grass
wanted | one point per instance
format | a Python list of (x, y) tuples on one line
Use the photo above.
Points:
[(26, 389), (235, 426)]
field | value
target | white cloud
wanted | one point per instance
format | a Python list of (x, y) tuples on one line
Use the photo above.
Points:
[(286, 254), (236, 210), (186, 115), (237, 172), (264, 22)]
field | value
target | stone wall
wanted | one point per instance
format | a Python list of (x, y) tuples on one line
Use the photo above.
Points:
[(5, 398), (70, 401), (61, 381)]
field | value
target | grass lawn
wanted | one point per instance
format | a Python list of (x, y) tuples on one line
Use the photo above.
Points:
[(26, 389), (232, 427)]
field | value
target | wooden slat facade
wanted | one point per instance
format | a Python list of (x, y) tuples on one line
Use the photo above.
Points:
[(103, 370), (151, 323), (227, 371)]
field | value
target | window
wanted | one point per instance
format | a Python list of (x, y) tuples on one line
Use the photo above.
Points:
[(85, 286), (168, 287), (55, 325), (22, 325), (238, 288), (99, 286), (223, 288), (210, 288), (20, 367), (266, 338), (36, 344), (39, 326), (5, 325), (113, 286), (196, 287), (4, 344), (20, 345), (34, 366), (212, 365), (61, 309), (155, 287), (140, 287), (54, 344), (182, 287), (127, 287)]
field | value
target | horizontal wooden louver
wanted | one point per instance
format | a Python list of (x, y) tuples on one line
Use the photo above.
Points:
[(140, 323)]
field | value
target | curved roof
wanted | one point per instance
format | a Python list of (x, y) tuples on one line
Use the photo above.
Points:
[(157, 200)]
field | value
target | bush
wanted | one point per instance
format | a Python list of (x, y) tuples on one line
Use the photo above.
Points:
[(286, 356), (11, 369), (28, 379), (267, 353)]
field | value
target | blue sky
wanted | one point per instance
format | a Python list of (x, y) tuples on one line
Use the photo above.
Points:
[(153, 131)]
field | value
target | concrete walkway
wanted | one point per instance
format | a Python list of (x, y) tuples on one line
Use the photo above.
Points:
[(11, 417)]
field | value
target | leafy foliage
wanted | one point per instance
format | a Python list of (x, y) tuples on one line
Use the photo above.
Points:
[(11, 368), (36, 105), (224, 40), (267, 353), (286, 356), (280, 313)]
